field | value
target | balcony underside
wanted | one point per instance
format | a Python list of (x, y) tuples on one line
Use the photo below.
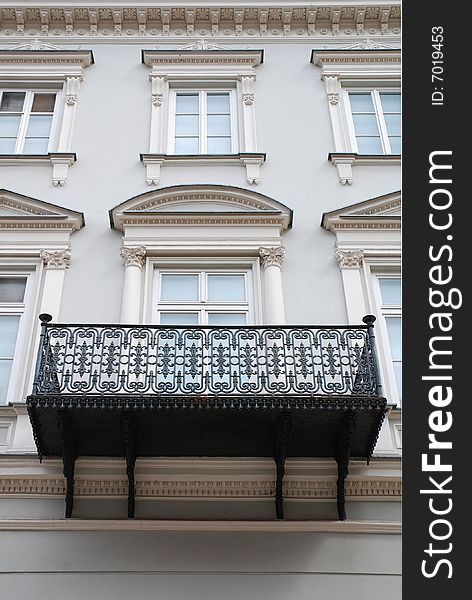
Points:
[(233, 426), (204, 426)]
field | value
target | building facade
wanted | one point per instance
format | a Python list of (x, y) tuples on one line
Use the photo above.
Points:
[(201, 200)]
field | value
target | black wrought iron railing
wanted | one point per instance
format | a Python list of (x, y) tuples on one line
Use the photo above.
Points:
[(253, 360)]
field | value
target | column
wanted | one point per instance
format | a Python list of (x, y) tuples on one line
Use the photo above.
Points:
[(158, 94), (71, 90), (133, 260), (271, 263), (350, 262), (55, 264)]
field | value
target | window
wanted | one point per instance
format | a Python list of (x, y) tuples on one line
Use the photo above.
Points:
[(390, 315), (376, 119), (210, 297), (202, 109), (26, 119), (12, 308), (202, 122), (363, 99), (39, 92)]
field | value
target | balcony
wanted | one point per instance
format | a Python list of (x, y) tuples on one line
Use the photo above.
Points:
[(143, 390)]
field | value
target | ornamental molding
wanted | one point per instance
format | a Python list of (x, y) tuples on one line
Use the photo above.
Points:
[(382, 212), (374, 488), (252, 161), (128, 21), (272, 257), (345, 527), (202, 45), (55, 259), (201, 204), (23, 212), (35, 45), (133, 257), (64, 62), (349, 259)]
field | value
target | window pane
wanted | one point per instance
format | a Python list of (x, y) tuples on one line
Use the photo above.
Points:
[(36, 146), (5, 368), (219, 145), (43, 103), (12, 289), (8, 331), (361, 103), (179, 318), (218, 103), (179, 288), (226, 288), (226, 319), (391, 102), (9, 125), (39, 126), (186, 146), (12, 101), (369, 145), (219, 125), (391, 290), (393, 124), (365, 124), (7, 145), (186, 103), (394, 327), (186, 125), (395, 145)]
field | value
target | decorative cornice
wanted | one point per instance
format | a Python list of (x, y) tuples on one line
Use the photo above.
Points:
[(345, 527), (55, 259), (349, 259), (272, 256), (126, 20), (133, 256), (295, 489)]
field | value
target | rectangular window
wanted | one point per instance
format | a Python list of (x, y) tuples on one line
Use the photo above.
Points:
[(12, 306), (26, 121), (376, 117), (196, 297), (203, 122), (391, 315)]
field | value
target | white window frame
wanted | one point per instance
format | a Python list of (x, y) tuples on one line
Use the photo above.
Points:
[(202, 110), (379, 115), (383, 311), (47, 69), (210, 265), (208, 70), (26, 114), (355, 69), (25, 311)]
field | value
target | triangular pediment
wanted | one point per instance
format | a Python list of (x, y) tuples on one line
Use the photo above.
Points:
[(19, 209), (381, 211), (189, 202)]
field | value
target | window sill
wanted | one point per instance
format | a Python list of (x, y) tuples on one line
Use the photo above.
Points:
[(61, 161), (251, 160), (345, 160)]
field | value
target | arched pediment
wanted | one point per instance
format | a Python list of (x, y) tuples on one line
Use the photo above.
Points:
[(200, 204)]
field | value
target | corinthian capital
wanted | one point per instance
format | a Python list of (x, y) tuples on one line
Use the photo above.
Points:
[(272, 256), (55, 259), (133, 256), (349, 259)]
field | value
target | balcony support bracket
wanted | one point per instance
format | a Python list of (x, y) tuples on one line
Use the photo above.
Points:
[(284, 423), (129, 433), (69, 456), (343, 451)]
